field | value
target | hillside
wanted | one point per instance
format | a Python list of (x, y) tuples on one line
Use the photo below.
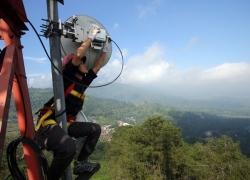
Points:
[(220, 105), (195, 125)]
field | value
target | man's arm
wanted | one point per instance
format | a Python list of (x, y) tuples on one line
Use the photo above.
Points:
[(80, 52), (98, 64)]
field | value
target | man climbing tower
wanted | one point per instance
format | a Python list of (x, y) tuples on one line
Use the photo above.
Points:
[(51, 136)]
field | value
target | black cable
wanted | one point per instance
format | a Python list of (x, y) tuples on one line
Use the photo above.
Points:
[(12, 163), (58, 69), (118, 74), (12, 147)]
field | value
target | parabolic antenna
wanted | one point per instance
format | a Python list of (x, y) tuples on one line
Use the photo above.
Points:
[(81, 117), (75, 32)]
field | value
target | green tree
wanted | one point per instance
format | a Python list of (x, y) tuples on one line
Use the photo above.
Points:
[(143, 152), (219, 158), (155, 150)]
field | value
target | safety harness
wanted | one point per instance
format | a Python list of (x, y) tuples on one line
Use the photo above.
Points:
[(48, 110)]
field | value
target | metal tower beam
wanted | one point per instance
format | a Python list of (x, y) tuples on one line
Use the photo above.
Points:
[(13, 77)]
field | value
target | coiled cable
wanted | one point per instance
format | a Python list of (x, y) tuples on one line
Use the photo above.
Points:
[(12, 163)]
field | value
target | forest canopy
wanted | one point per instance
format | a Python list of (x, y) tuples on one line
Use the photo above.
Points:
[(156, 150)]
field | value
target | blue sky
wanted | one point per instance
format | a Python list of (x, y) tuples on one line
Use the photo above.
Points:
[(178, 47)]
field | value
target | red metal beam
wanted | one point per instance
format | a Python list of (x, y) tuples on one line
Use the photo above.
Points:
[(10, 31), (6, 79), (13, 13)]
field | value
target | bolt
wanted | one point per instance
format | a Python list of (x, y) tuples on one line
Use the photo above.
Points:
[(11, 35), (20, 46), (22, 32)]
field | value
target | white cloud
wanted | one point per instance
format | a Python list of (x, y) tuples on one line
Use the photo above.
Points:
[(151, 70), (124, 52), (116, 25), (34, 75), (147, 67), (38, 60), (148, 8), (193, 41), (227, 71), (40, 80)]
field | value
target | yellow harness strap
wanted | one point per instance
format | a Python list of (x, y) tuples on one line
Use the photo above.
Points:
[(77, 94), (69, 122), (50, 111), (41, 120), (48, 122)]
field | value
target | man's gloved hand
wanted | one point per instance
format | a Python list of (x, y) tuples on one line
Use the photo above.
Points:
[(93, 31), (106, 45)]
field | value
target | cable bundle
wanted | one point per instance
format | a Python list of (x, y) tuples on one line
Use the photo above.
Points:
[(12, 163)]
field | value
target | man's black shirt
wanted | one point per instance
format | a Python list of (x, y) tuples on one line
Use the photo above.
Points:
[(72, 103)]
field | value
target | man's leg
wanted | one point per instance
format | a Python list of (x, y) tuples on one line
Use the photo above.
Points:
[(92, 132), (54, 138)]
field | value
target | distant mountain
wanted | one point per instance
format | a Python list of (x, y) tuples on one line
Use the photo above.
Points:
[(195, 125), (221, 105), (128, 93)]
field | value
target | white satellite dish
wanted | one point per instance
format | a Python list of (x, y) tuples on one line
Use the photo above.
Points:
[(80, 117), (75, 31)]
